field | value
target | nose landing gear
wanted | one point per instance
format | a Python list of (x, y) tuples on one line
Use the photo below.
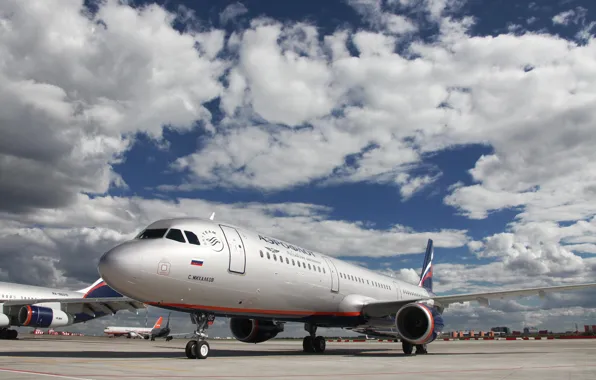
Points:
[(199, 348)]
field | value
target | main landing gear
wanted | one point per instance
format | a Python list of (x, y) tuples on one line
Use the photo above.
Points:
[(409, 347), (199, 348), (313, 343), (8, 334)]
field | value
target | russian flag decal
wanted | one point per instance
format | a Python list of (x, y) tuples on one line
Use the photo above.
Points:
[(196, 262)]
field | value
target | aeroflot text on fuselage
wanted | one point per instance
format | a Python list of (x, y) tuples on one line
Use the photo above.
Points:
[(286, 245)]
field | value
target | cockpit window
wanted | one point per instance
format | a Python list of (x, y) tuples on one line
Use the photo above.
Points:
[(192, 238), (175, 234), (156, 233)]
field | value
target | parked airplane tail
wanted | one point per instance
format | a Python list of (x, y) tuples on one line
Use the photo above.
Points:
[(99, 289), (158, 323), (426, 276)]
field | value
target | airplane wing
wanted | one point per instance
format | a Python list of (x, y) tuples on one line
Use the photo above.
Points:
[(90, 306), (384, 308)]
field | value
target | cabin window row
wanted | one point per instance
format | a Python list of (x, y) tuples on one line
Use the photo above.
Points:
[(363, 281), (172, 234), (412, 293), (313, 267), (10, 296)]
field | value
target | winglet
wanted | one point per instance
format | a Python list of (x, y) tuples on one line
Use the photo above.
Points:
[(426, 276), (212, 216)]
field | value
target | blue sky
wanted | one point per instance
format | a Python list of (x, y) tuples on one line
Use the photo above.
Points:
[(358, 128)]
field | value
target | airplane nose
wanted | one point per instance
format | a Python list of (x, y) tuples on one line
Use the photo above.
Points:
[(120, 265)]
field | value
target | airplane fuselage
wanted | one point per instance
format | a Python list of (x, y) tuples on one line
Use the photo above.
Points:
[(233, 271)]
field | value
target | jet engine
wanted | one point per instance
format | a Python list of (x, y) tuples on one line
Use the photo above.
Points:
[(4, 320), (38, 316), (253, 330), (418, 323)]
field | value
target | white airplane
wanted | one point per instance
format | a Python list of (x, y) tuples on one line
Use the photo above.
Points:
[(210, 269), (133, 332), (38, 307), (144, 332)]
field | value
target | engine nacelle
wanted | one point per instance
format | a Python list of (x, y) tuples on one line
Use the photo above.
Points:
[(253, 330), (4, 320), (38, 316), (418, 323)]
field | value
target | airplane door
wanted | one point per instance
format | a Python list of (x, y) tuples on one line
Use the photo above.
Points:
[(398, 290), (236, 248), (334, 275)]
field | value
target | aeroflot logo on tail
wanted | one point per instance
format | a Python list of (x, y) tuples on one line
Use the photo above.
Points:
[(286, 245)]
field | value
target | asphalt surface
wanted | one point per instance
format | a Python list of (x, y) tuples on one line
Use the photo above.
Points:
[(102, 358)]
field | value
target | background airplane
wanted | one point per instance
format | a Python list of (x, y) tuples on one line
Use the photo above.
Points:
[(133, 332), (145, 332), (209, 269), (38, 307)]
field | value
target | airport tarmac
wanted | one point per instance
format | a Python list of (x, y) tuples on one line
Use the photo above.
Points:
[(102, 358)]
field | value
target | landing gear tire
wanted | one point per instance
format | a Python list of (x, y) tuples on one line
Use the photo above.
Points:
[(169, 338), (202, 350), (308, 344), (319, 344), (421, 349), (9, 334), (191, 349), (407, 347)]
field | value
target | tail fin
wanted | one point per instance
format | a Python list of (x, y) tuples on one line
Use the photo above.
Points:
[(168, 322), (426, 276), (99, 289), (158, 323)]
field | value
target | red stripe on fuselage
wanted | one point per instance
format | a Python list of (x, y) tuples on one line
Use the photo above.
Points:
[(258, 311)]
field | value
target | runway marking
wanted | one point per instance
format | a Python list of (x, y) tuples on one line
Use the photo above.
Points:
[(21, 371), (368, 374)]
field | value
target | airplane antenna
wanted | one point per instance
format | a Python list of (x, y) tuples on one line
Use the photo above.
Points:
[(212, 216)]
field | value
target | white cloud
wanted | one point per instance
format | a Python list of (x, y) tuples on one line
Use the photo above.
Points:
[(75, 87), (374, 14), (232, 11)]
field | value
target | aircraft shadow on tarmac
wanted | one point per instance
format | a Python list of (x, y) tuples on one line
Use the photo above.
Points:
[(179, 353)]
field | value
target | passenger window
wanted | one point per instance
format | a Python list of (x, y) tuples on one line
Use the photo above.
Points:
[(268, 256), (274, 257), (192, 238), (287, 261), (176, 235), (293, 262), (324, 270), (261, 252), (308, 266)]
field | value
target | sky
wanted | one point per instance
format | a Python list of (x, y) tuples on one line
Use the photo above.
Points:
[(356, 128)]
